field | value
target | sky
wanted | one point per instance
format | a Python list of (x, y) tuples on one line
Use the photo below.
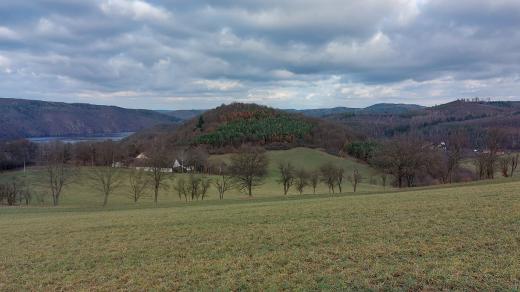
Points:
[(186, 54)]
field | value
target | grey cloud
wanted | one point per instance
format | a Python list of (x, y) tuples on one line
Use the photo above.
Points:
[(143, 53)]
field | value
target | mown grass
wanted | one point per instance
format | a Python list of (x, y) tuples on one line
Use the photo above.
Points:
[(465, 237)]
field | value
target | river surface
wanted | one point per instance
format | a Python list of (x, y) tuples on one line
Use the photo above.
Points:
[(76, 139)]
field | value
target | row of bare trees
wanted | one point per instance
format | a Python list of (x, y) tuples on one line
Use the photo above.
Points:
[(486, 163), (329, 174), (14, 192), (246, 171), (194, 188), (509, 164)]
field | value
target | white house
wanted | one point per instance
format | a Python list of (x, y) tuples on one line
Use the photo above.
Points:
[(142, 156)]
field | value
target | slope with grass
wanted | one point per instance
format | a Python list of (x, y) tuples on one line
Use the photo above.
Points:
[(312, 160), (459, 238), (80, 192)]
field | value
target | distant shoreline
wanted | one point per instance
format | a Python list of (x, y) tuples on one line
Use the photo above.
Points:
[(82, 138)]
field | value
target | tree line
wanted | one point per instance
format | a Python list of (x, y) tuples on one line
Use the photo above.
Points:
[(245, 171), (411, 161), (329, 174), (403, 161)]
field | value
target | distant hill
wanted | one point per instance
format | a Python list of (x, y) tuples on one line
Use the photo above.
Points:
[(183, 114), (29, 118), (316, 113), (229, 126), (435, 123), (391, 108), (323, 112)]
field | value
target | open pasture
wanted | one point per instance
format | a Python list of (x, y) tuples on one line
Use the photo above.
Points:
[(458, 238)]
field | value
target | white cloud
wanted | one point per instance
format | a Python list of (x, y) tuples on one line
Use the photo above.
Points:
[(287, 53), (7, 33), (4, 62), (410, 10), (262, 95), (136, 9), (376, 49), (47, 27), (5, 65), (100, 95), (282, 74), (221, 85)]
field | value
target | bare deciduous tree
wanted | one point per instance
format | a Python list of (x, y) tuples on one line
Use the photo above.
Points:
[(138, 183), (480, 165), (355, 179), (9, 191), (514, 163), (508, 164), (494, 140), (504, 165), (205, 184), (197, 158), (193, 186), (158, 167), (340, 175), (454, 150), (301, 180), (180, 188), (223, 182), (105, 179), (25, 193), (328, 176), (314, 180), (197, 186), (384, 178), (286, 179), (405, 158), (249, 167), (54, 156)]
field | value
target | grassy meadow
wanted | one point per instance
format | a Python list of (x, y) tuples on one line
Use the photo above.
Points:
[(80, 192), (458, 237)]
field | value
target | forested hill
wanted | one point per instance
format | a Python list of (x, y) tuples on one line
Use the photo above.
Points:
[(434, 124), (28, 118), (230, 126), (380, 108)]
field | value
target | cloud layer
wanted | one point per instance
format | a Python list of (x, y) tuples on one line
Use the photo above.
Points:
[(299, 54)]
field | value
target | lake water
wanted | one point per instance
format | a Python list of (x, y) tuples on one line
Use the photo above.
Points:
[(76, 139)]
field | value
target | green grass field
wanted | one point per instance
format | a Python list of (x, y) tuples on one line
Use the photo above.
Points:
[(465, 237), (80, 192), (459, 237)]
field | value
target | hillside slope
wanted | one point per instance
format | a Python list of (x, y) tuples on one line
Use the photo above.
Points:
[(435, 123), (311, 160), (29, 118), (391, 108), (457, 238), (317, 112), (230, 126)]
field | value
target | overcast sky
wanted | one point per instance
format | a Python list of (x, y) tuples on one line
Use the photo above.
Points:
[(183, 54)]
